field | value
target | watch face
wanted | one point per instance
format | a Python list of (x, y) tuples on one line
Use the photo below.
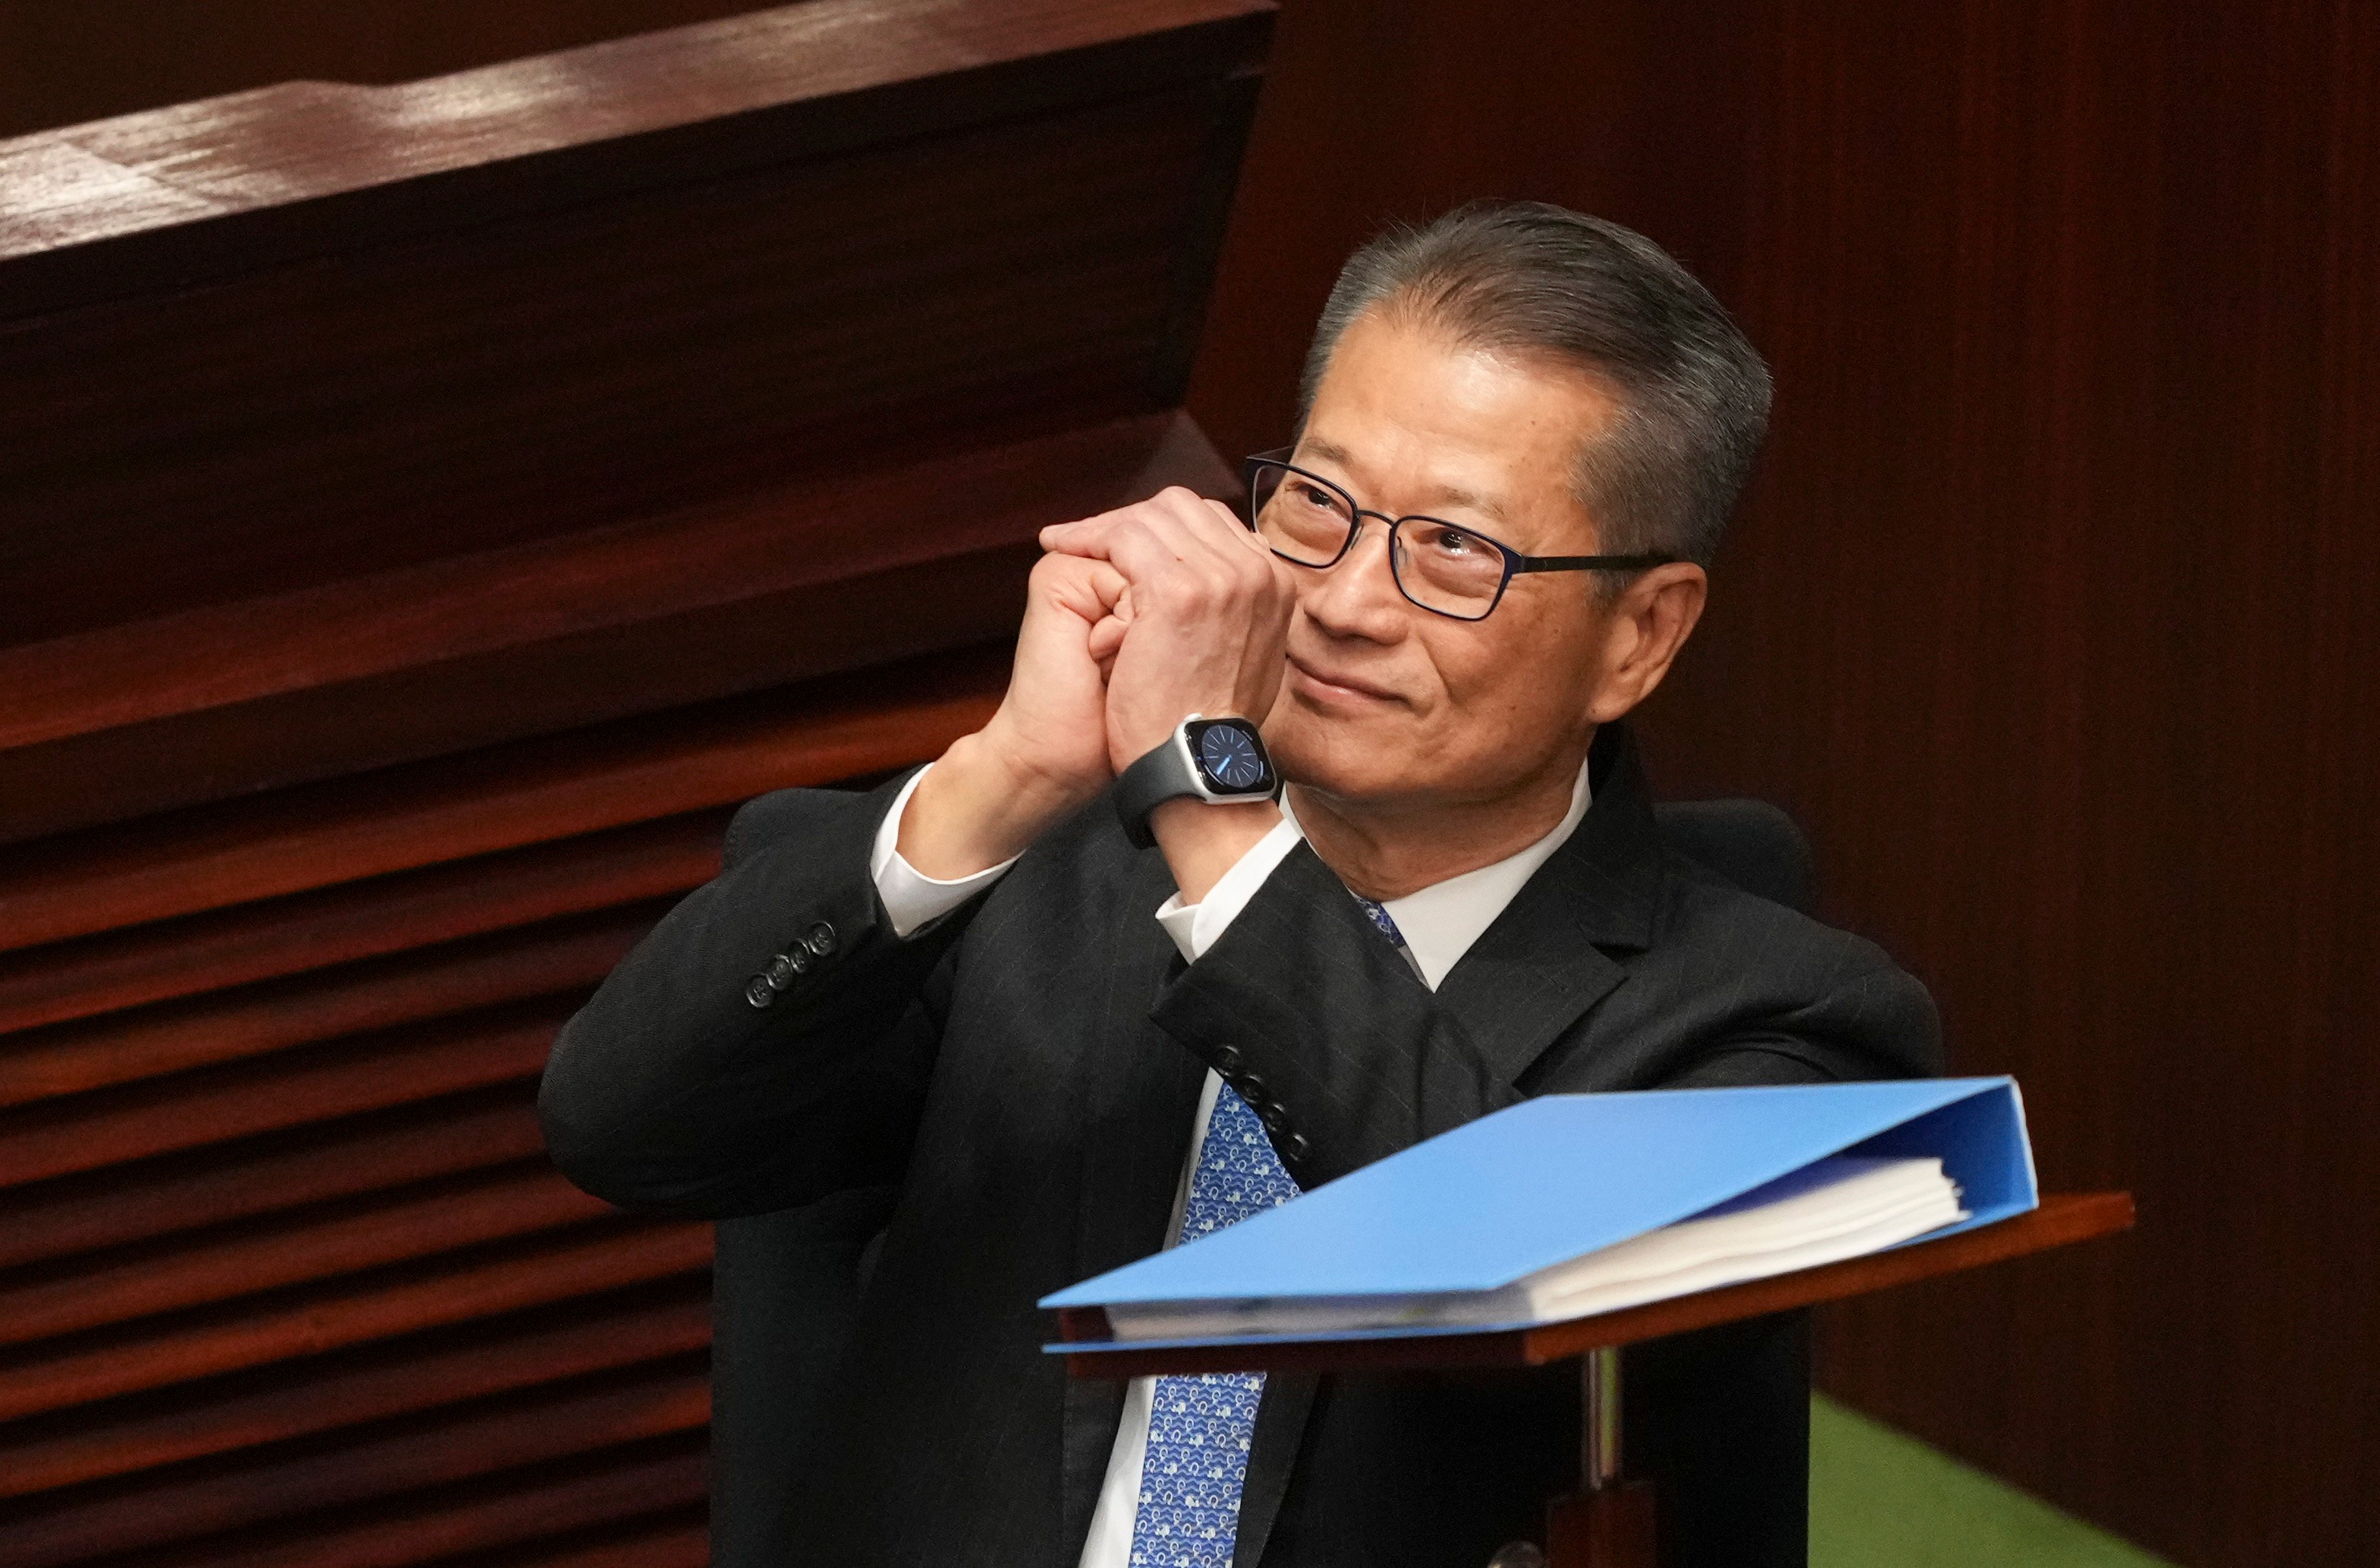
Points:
[(1229, 758)]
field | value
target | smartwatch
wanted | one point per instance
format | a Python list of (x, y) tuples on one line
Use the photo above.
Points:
[(1221, 761)]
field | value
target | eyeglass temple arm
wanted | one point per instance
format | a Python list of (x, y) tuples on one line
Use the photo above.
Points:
[(1590, 562)]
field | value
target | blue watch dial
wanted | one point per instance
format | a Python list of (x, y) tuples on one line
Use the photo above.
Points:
[(1230, 759)]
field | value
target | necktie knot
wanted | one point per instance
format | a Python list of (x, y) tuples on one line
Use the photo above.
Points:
[(1380, 914), (1386, 926)]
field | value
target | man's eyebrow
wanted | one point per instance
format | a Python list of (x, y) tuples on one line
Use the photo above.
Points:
[(1470, 502), (1450, 495)]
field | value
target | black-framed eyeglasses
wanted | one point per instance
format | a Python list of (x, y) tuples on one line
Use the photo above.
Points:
[(1444, 567)]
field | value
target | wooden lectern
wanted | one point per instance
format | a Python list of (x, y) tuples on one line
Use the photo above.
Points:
[(1611, 1521)]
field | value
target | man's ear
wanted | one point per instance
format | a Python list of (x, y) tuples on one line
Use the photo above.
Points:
[(1645, 627)]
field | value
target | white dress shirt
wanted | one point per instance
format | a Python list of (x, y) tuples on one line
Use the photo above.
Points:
[(1439, 923)]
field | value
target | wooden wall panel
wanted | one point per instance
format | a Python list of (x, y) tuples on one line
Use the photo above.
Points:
[(286, 1276), (429, 512), (2047, 617)]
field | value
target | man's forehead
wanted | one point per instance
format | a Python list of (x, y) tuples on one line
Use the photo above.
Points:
[(1474, 493), (1415, 417)]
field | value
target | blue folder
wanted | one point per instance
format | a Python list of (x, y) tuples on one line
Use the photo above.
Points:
[(1560, 1176)]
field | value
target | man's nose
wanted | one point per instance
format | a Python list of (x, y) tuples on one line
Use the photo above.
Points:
[(1357, 595)]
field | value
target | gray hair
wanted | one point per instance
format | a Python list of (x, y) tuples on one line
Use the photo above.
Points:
[(1538, 280)]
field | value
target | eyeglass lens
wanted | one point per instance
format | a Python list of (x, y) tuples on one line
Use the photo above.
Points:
[(1440, 566)]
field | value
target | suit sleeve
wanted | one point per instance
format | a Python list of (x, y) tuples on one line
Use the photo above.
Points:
[(1324, 1030), (1349, 1058), (688, 1085), (1867, 1020)]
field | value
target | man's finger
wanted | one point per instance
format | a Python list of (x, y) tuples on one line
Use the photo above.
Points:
[(1082, 574), (1106, 638), (1138, 547), (1088, 536), (1091, 589), (1096, 536), (1175, 530), (1247, 537)]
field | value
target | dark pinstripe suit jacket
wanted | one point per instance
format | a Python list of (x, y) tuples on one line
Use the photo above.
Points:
[(1027, 1071)]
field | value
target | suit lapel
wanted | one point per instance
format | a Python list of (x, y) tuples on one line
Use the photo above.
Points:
[(1138, 1094), (1273, 1453), (1546, 959)]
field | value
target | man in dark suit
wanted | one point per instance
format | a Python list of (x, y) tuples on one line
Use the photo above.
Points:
[(1087, 983)]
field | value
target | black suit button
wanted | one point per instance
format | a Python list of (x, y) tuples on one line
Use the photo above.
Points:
[(821, 938), (783, 968), (1227, 1057), (1295, 1146), (1275, 1118), (759, 993), (1251, 1088)]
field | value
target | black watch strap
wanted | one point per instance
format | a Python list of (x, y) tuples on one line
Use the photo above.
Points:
[(1161, 775)]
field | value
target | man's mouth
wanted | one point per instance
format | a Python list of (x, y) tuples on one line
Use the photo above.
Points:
[(1336, 685)]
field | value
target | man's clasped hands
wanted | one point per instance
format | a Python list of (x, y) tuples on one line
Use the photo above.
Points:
[(1133, 620)]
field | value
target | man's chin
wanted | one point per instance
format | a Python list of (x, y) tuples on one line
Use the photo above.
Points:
[(1346, 761)]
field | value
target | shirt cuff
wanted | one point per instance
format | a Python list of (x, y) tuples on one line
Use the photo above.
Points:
[(911, 898), (1195, 928)]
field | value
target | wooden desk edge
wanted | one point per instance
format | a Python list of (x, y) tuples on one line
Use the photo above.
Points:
[(2062, 1220)]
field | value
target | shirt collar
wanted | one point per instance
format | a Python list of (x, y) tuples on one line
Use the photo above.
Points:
[(1441, 922)]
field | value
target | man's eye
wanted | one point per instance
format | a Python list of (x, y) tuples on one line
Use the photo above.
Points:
[(1314, 494), (1454, 542)]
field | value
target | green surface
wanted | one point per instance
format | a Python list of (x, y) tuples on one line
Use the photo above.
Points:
[(1879, 1499)]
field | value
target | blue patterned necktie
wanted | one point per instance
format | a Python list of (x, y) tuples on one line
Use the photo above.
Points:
[(1199, 1428), (1388, 929)]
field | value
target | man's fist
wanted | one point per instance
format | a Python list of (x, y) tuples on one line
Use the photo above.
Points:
[(1134, 620), (1200, 629), (1051, 725), (1045, 752)]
